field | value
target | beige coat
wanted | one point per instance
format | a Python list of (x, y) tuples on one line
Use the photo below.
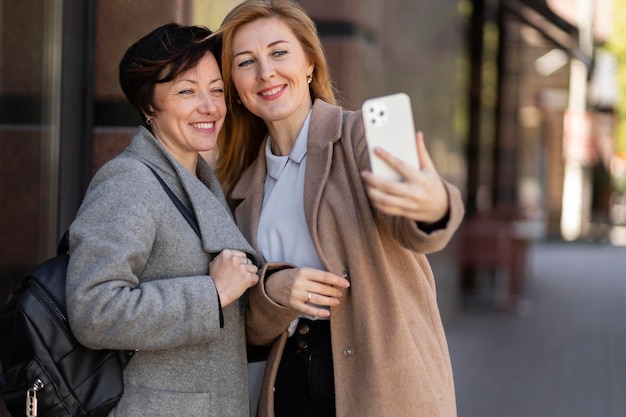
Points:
[(389, 348)]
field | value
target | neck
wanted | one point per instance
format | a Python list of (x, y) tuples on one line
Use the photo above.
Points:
[(188, 159), (190, 162), (285, 132)]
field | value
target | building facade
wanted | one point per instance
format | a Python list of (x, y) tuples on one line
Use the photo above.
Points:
[(63, 114), (490, 83)]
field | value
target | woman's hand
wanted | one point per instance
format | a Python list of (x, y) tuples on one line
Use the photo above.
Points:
[(306, 289), (233, 273), (420, 197)]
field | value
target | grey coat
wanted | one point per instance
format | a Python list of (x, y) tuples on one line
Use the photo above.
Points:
[(138, 279)]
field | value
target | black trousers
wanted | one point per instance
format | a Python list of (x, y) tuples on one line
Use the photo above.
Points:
[(305, 384)]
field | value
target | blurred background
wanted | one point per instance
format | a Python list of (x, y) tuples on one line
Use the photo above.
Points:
[(522, 103)]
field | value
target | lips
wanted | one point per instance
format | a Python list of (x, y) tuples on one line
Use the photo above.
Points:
[(272, 92), (204, 125)]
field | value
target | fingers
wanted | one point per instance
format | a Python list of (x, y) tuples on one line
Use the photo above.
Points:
[(404, 169), (421, 196), (323, 278), (408, 172), (391, 197), (307, 290), (392, 202), (233, 273), (314, 304), (234, 264), (422, 152), (236, 257)]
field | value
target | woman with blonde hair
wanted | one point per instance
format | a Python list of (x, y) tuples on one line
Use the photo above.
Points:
[(346, 297)]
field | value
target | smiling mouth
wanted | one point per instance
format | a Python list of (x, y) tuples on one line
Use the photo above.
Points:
[(271, 92), (204, 125)]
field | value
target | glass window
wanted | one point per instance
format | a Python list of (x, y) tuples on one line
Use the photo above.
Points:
[(30, 53)]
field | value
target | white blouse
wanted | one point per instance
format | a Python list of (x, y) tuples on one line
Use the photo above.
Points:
[(283, 234)]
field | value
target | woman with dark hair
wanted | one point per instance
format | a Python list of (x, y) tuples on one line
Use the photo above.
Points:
[(140, 278), (346, 298)]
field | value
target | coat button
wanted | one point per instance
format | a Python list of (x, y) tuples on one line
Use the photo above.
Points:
[(304, 329), (347, 352), (303, 344), (346, 275)]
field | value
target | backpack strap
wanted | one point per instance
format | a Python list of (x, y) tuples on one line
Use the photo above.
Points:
[(64, 244), (187, 214), (191, 219)]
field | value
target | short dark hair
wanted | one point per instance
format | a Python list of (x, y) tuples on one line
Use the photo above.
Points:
[(159, 57)]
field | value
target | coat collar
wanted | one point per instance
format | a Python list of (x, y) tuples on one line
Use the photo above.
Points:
[(326, 124), (217, 227), (324, 132)]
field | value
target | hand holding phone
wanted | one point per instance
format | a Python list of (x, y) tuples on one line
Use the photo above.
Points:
[(388, 122)]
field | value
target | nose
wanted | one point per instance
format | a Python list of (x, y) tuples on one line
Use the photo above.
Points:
[(207, 104), (265, 70)]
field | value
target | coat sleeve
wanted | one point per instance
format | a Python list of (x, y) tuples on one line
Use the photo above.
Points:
[(404, 230), (409, 235), (135, 280), (265, 319)]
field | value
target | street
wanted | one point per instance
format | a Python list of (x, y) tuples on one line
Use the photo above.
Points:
[(563, 354)]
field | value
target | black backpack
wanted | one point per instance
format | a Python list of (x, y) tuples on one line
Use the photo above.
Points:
[(45, 371)]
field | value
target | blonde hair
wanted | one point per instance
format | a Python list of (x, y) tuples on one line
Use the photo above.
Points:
[(243, 132)]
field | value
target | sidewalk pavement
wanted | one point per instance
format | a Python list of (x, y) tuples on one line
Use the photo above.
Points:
[(564, 355)]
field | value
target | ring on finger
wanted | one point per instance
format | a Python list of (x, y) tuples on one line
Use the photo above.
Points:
[(308, 298)]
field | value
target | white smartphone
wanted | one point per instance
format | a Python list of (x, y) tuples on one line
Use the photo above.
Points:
[(389, 125)]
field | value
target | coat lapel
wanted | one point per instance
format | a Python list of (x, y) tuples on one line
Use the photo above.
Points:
[(203, 193), (217, 225), (248, 198), (324, 131)]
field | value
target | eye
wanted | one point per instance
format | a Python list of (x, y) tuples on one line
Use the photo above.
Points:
[(186, 91), (280, 52), (246, 63)]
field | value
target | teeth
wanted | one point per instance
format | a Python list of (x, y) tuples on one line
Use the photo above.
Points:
[(203, 125), (270, 92)]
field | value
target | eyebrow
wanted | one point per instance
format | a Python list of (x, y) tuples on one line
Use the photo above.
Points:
[(196, 82), (269, 46)]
